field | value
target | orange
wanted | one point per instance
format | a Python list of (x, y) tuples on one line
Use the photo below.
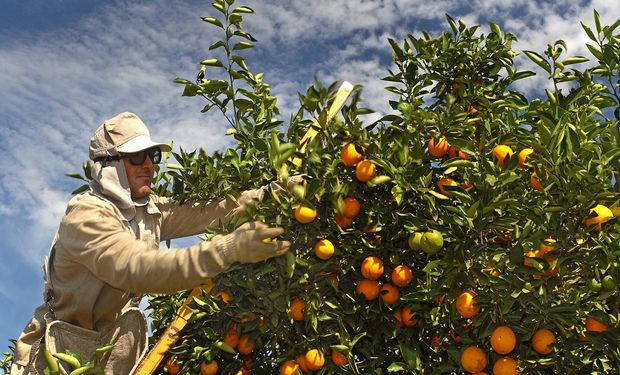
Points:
[(594, 325), (301, 361), (435, 342), (503, 340), (249, 361), (389, 294), (466, 305), (551, 271), (500, 152), (474, 359), (454, 151), (548, 258), (369, 288), (405, 317), (505, 366), (343, 221), (372, 268), (339, 359), (172, 366), (535, 183), (305, 214), (467, 185), (314, 359), (246, 344), (541, 341), (547, 245), (232, 337), (351, 207), (402, 275), (225, 297), (523, 154), (446, 181), (349, 155), (365, 170), (530, 254), (324, 249), (440, 149), (289, 367), (208, 368), (297, 309), (598, 216)]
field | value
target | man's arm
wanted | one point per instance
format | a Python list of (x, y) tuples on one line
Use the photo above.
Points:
[(192, 218)]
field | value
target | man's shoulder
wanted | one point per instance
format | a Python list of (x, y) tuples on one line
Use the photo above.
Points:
[(88, 201)]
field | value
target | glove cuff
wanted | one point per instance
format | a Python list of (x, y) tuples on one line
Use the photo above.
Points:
[(226, 248)]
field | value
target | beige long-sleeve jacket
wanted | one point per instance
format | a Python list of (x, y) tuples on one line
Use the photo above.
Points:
[(103, 259)]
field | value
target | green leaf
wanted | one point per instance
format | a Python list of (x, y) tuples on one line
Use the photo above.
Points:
[(452, 23), (225, 347), (243, 9), (242, 45), (595, 52), (589, 32), (457, 163), (52, 363), (244, 35), (410, 355), (83, 370), (219, 6), (69, 359), (396, 367), (495, 29), (212, 62), (522, 74), (218, 44), (538, 60), (396, 48), (597, 21), (213, 21), (574, 60), (240, 61)]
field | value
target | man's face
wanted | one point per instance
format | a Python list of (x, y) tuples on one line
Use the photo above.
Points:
[(139, 177)]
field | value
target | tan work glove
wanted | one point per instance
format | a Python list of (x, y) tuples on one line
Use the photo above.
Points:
[(255, 196), (245, 244)]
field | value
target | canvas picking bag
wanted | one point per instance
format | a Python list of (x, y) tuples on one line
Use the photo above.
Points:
[(128, 334)]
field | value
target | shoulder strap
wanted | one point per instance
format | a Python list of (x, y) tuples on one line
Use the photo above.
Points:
[(48, 292)]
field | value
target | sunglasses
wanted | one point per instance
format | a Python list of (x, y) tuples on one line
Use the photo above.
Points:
[(138, 158)]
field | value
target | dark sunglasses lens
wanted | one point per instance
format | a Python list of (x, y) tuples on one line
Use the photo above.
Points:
[(138, 158), (155, 155)]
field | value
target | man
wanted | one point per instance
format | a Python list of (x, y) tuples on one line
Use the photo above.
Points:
[(106, 252)]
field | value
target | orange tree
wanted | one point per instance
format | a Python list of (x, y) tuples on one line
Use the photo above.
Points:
[(464, 256)]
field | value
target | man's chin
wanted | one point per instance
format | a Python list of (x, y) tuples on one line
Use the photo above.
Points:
[(141, 193)]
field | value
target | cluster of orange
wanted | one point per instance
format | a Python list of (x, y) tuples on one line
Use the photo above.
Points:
[(503, 340), (599, 215), (440, 149), (547, 252), (372, 268), (502, 151)]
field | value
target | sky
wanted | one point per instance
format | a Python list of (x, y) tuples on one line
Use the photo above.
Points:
[(67, 65)]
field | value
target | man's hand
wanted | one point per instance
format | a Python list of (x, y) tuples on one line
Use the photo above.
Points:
[(255, 196), (245, 244)]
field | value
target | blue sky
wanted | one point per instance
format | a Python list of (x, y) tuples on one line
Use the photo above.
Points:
[(67, 65)]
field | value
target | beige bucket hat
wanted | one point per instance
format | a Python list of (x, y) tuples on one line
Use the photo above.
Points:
[(123, 133)]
